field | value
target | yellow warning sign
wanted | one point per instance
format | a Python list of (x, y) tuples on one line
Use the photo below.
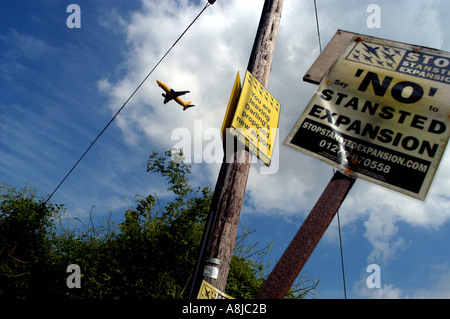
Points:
[(208, 291), (255, 122)]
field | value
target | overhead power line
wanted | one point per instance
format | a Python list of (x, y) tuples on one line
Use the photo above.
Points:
[(338, 218), (210, 2), (342, 255), (318, 28)]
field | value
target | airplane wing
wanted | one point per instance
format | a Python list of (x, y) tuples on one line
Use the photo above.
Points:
[(176, 94), (187, 106)]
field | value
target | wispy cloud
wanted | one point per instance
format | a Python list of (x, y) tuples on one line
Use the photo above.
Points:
[(437, 286)]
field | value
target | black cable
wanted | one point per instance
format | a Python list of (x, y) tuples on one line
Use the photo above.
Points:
[(342, 255), (341, 250), (339, 222), (318, 28), (129, 98)]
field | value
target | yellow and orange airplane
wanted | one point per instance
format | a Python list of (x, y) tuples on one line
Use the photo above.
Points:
[(174, 95)]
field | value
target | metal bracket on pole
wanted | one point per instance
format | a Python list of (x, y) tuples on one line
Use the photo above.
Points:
[(211, 269)]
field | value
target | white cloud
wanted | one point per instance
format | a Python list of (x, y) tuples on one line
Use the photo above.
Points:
[(206, 61), (27, 46), (440, 287), (366, 288), (388, 291)]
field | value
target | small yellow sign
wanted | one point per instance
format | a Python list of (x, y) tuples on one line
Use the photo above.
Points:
[(255, 122), (208, 291)]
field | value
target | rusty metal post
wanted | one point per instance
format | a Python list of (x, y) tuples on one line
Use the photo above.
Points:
[(308, 236)]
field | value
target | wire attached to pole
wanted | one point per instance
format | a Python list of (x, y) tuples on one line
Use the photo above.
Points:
[(341, 250), (318, 28), (342, 255), (210, 2), (338, 218)]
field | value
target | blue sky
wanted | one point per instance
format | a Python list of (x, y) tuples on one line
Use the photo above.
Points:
[(60, 86)]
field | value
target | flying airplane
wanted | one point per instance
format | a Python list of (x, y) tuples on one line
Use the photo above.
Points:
[(371, 50), (174, 95)]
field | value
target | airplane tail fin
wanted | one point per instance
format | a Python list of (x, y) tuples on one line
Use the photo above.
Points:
[(187, 105)]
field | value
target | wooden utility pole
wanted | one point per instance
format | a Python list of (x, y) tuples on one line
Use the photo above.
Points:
[(220, 233)]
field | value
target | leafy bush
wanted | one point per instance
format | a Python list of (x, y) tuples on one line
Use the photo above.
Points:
[(150, 254)]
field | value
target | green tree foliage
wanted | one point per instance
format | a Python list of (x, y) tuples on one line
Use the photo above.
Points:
[(151, 253)]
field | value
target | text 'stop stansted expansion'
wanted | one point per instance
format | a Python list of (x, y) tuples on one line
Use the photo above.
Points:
[(381, 114)]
